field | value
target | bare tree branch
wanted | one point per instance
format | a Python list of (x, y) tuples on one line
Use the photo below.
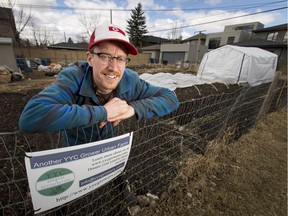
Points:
[(89, 22), (23, 19), (41, 37), (176, 33)]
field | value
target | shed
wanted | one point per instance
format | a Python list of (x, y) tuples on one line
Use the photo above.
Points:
[(7, 56), (234, 64)]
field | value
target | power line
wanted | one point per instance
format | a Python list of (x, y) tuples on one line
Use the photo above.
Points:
[(239, 7), (214, 21), (145, 10), (245, 8), (218, 8), (187, 26)]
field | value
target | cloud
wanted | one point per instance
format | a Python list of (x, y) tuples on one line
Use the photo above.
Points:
[(213, 2), (209, 21), (65, 19)]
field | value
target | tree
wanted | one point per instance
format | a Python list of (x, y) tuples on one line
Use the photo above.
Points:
[(81, 39), (137, 26), (89, 22), (70, 40), (176, 34), (41, 37)]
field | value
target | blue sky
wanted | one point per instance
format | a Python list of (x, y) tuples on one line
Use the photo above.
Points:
[(164, 18)]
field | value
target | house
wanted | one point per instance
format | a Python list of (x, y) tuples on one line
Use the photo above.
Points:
[(196, 39), (274, 33), (149, 40), (175, 53), (192, 49), (273, 39), (232, 34), (184, 53), (189, 51), (154, 50), (70, 46)]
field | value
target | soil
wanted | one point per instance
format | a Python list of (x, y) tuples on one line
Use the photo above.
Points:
[(247, 177), (14, 96)]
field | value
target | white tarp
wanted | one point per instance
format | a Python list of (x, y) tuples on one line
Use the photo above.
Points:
[(234, 64), (228, 65), (172, 81)]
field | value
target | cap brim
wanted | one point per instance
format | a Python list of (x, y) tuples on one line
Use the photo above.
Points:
[(130, 47)]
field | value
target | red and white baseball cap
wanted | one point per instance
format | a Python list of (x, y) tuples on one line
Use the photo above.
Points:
[(106, 32)]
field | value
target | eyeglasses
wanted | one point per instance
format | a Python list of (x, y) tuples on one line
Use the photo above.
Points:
[(106, 59)]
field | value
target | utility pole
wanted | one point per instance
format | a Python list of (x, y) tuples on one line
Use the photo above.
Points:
[(111, 16)]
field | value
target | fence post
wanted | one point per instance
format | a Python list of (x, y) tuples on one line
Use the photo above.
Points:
[(281, 91), (228, 115), (268, 98)]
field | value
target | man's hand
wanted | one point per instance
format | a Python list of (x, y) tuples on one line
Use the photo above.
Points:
[(130, 112), (117, 110), (115, 107)]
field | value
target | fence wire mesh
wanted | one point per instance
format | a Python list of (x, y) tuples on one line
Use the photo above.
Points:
[(158, 149)]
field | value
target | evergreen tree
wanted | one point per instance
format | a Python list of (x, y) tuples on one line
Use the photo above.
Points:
[(137, 26), (70, 40)]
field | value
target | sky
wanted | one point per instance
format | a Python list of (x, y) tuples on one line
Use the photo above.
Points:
[(164, 18)]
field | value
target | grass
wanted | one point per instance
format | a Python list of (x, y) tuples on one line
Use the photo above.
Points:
[(246, 177)]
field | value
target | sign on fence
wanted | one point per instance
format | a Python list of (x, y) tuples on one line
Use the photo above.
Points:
[(58, 176)]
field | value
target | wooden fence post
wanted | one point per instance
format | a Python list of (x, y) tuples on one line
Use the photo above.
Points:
[(268, 98)]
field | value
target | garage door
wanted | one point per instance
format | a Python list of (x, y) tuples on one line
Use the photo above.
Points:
[(172, 57)]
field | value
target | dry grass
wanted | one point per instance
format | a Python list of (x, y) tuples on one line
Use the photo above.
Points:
[(247, 177)]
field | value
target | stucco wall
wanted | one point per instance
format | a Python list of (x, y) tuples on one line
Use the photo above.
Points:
[(7, 56)]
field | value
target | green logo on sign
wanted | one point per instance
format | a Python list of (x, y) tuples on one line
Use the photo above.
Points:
[(55, 181)]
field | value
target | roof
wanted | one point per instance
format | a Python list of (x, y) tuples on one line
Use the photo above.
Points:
[(259, 42), (72, 46), (272, 28), (154, 39), (196, 37), (152, 47), (6, 13)]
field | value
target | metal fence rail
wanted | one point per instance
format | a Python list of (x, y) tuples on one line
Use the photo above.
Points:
[(159, 146)]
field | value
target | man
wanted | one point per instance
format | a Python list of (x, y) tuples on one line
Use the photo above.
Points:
[(89, 101)]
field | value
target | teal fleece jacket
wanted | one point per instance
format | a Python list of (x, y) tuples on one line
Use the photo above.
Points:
[(71, 105)]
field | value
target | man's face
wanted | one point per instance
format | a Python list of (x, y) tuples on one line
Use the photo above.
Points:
[(106, 75)]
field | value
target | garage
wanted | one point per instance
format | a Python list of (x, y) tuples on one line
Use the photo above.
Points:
[(172, 57)]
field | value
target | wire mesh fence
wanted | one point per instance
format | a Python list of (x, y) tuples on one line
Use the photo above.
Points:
[(159, 145)]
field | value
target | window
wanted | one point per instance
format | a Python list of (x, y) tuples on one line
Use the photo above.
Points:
[(214, 43), (230, 40), (285, 38), (272, 36)]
